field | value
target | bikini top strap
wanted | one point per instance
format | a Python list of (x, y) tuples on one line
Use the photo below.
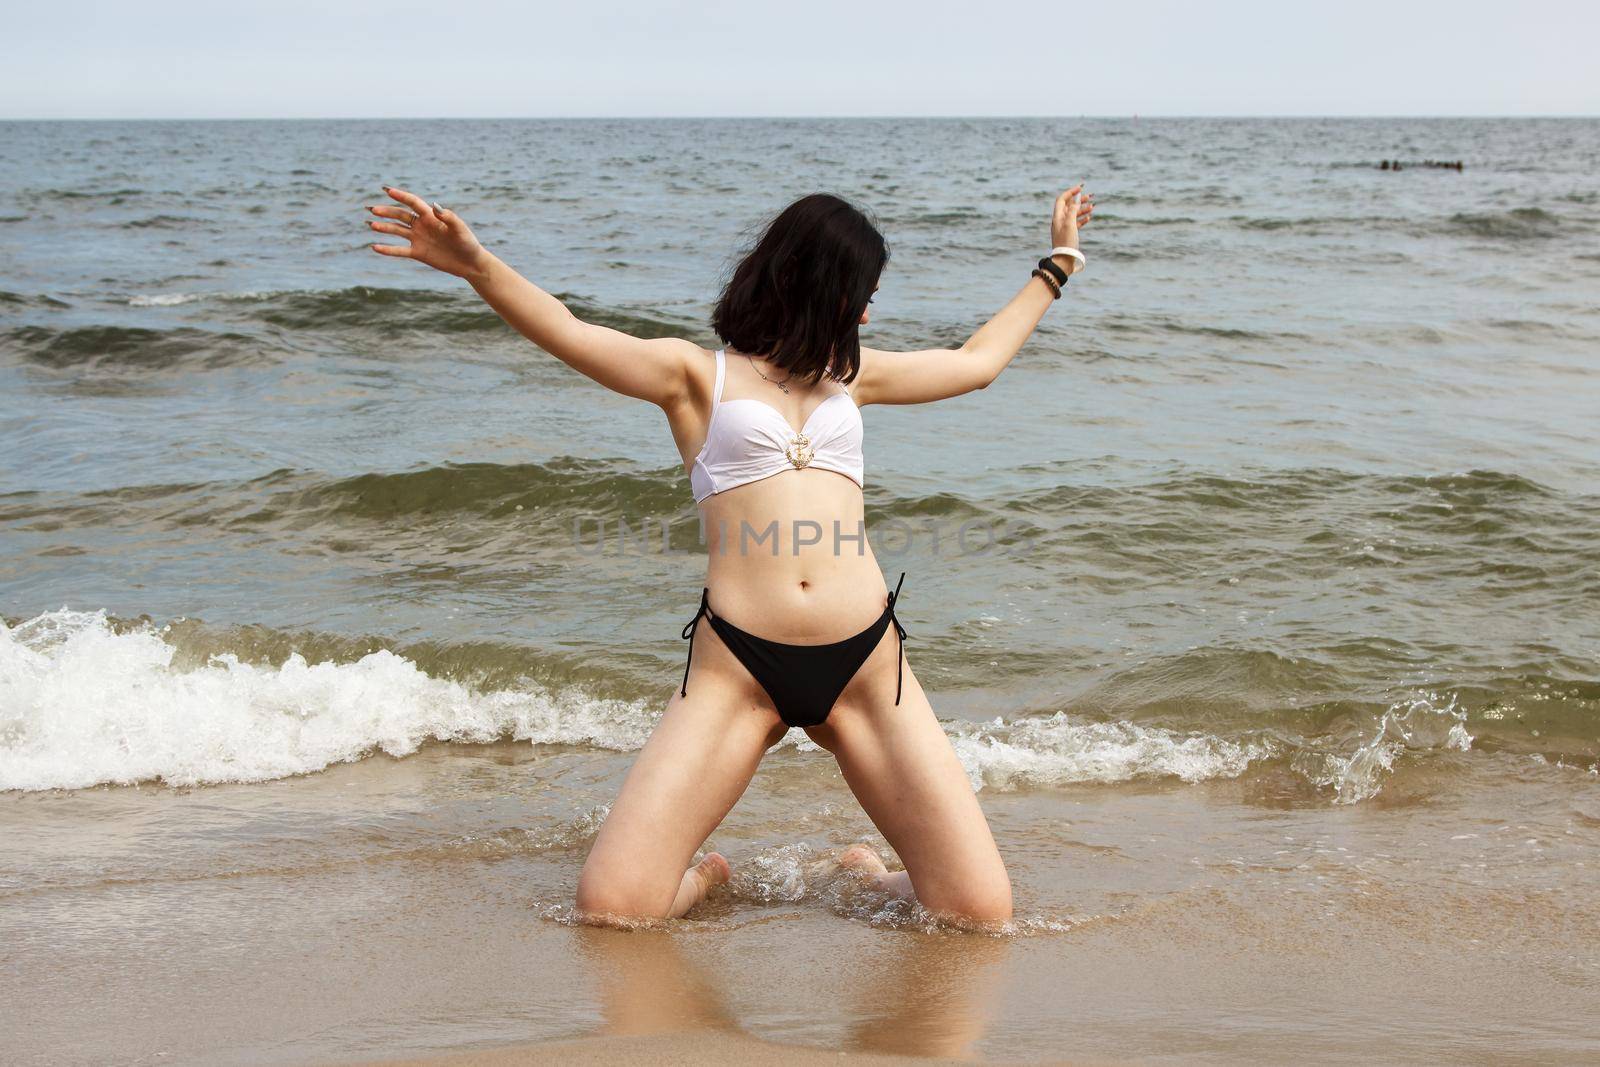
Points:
[(716, 395)]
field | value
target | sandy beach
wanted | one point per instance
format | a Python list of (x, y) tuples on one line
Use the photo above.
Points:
[(1467, 943)]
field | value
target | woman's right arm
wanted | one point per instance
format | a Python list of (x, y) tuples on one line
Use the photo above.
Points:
[(654, 369)]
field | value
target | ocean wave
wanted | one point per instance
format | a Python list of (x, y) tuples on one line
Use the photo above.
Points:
[(1420, 723), (1523, 223), (584, 497), (166, 300), (1503, 524), (90, 701), (23, 300), (1518, 224), (1303, 225), (84, 194), (591, 487), (935, 219), (1153, 220), (1476, 488), (84, 704), (1058, 750), (159, 222), (225, 329), (383, 311), (1164, 324), (572, 490), (388, 312), (131, 347)]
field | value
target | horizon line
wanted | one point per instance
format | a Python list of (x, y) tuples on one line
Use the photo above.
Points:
[(1134, 115)]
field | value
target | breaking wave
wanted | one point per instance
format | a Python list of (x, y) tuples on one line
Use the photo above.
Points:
[(86, 700)]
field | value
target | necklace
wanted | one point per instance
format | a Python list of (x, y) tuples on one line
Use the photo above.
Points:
[(784, 384)]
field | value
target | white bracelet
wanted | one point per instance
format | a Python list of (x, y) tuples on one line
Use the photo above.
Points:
[(1063, 250)]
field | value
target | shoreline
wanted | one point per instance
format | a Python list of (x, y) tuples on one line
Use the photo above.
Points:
[(694, 1049)]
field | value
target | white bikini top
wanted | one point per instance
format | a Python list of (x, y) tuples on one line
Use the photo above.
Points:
[(749, 439)]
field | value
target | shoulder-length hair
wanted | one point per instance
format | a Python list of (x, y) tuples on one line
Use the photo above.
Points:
[(797, 296)]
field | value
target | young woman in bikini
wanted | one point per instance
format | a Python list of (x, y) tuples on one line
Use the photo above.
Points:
[(796, 626)]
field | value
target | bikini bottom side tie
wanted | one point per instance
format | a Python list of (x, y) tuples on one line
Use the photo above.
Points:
[(900, 637), (688, 635)]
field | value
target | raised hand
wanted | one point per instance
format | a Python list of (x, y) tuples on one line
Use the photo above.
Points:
[(434, 235), (1073, 209)]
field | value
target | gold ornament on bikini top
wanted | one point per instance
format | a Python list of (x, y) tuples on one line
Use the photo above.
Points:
[(799, 450)]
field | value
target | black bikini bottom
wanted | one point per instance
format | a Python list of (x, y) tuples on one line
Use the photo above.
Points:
[(804, 681)]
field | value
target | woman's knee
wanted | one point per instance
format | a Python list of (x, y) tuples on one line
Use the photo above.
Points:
[(618, 895), (980, 900)]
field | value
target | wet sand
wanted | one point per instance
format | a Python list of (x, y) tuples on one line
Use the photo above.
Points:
[(352, 917), (707, 1049)]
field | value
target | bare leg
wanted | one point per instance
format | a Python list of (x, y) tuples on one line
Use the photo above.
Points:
[(696, 765), (902, 768)]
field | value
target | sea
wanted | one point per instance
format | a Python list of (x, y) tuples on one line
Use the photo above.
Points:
[(1259, 596)]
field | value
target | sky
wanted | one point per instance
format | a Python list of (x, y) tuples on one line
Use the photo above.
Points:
[(574, 58)]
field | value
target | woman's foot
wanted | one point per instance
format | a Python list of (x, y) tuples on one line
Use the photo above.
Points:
[(698, 880), (863, 858), (713, 870)]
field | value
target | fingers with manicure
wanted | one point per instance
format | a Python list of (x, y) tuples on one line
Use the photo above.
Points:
[(434, 235)]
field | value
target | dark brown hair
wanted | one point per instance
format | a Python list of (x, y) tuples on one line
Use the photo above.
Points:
[(797, 296)]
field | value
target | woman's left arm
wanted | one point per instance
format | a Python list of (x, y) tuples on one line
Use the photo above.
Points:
[(940, 373)]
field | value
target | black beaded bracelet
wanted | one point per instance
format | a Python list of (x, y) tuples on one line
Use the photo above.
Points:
[(1055, 290), (1055, 270)]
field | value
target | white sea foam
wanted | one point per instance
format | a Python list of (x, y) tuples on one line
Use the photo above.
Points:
[(1054, 750), (82, 705), (163, 300), (802, 873)]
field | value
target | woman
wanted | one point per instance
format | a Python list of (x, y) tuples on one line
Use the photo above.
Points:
[(796, 625)]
